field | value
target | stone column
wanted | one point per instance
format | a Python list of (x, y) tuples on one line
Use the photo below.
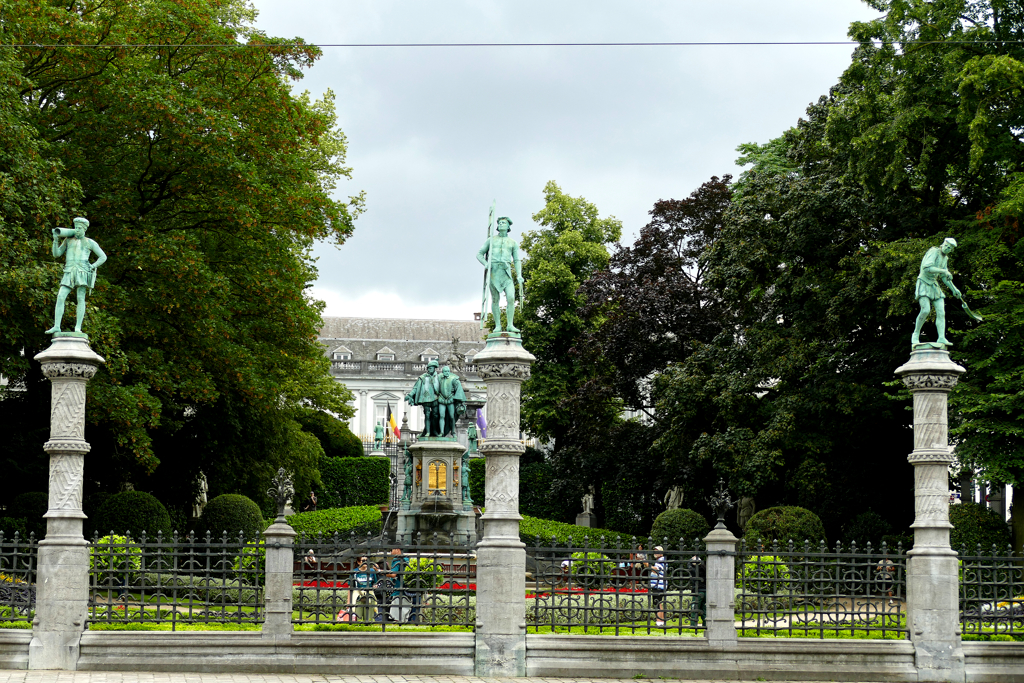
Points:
[(932, 583), (277, 596), (62, 592), (720, 619), (501, 556)]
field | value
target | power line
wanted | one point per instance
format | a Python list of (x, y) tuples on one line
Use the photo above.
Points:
[(584, 44)]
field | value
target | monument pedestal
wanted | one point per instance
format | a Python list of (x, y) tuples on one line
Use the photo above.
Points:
[(585, 519), (436, 501), (62, 581), (501, 557), (933, 614)]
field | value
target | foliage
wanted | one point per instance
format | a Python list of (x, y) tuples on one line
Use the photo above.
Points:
[(354, 481), (232, 513), (114, 560), (31, 505), (478, 479), (423, 572), (207, 182), (14, 525), (785, 523), (212, 590), (764, 575), (251, 564), (334, 436), (587, 568), (678, 524), (975, 524), (364, 520), (132, 512), (867, 527), (545, 532)]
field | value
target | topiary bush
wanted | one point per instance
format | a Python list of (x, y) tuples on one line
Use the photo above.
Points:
[(785, 523), (681, 523), (546, 531), (867, 527), (352, 482), (132, 512), (974, 523), (31, 506), (364, 520), (231, 513)]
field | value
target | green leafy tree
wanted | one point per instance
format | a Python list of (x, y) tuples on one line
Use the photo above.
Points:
[(207, 182)]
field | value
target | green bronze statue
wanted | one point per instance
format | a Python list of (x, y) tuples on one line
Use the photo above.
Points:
[(425, 393), (451, 399), (500, 255), (378, 436), (79, 273), (935, 267)]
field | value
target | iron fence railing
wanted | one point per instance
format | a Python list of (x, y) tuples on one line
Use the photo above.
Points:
[(371, 581), (615, 588), (808, 590), (178, 579), (18, 557), (991, 591)]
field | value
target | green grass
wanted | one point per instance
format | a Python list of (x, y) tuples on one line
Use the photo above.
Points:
[(166, 626), (623, 630), (15, 624)]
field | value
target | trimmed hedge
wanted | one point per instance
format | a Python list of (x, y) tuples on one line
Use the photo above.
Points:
[(231, 513), (31, 506), (14, 525), (477, 479), (132, 512), (547, 530), (678, 524), (364, 520), (785, 523), (334, 436), (354, 481), (974, 523), (867, 527)]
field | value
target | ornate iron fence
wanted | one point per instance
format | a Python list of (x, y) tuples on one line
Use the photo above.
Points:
[(807, 590), (616, 589), (17, 576), (991, 592), (176, 580), (369, 581)]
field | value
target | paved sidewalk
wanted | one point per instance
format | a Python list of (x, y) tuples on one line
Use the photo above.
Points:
[(7, 676)]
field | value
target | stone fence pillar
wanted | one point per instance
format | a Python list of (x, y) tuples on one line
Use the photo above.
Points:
[(62, 579), (933, 614), (501, 556), (277, 596), (721, 587)]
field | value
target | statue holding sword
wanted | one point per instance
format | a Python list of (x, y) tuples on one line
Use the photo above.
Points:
[(500, 256)]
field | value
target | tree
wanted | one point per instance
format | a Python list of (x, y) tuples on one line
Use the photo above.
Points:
[(206, 182)]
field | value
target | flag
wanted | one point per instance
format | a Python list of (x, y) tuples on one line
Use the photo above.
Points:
[(481, 425), (392, 425)]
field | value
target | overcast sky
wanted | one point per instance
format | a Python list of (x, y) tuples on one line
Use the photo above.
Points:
[(436, 134)]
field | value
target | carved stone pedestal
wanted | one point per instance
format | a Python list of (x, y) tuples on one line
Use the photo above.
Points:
[(435, 503), (62, 593), (501, 556), (932, 583)]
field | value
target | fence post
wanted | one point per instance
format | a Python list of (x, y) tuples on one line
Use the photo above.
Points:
[(501, 557), (62, 576), (933, 615), (720, 620), (279, 538)]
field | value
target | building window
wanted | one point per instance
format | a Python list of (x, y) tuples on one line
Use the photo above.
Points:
[(437, 483), (342, 356), (386, 356), (426, 357)]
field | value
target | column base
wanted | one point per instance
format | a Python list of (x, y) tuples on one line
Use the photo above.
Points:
[(500, 656), (54, 650)]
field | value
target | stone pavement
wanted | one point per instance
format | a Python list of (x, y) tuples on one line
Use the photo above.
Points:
[(150, 677)]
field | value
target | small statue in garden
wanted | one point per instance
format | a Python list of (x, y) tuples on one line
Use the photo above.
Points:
[(471, 434), (378, 436), (466, 495), (934, 267), (79, 273)]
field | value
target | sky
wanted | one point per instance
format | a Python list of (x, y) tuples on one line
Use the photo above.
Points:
[(436, 134)]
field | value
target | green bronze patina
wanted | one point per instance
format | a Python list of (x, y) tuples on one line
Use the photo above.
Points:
[(79, 273), (443, 400), (500, 256), (935, 267)]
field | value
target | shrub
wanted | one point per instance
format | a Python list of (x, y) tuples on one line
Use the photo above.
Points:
[(250, 565), (132, 512), (231, 513), (114, 560), (679, 524), (783, 524), (364, 520), (334, 436), (14, 525), (354, 481), (423, 572), (764, 575), (477, 479), (31, 506), (531, 529), (867, 527), (587, 569), (974, 523)]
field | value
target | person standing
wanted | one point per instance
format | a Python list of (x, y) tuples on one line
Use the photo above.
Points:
[(659, 585)]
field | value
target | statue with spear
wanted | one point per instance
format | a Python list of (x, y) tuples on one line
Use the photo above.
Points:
[(500, 258)]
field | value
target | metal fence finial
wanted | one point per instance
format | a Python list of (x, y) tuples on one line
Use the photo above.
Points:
[(281, 490), (721, 503)]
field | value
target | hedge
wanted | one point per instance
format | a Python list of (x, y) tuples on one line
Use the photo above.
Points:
[(785, 523), (477, 479), (132, 512), (354, 481), (974, 523), (531, 528), (31, 506), (681, 523), (14, 525), (364, 520), (230, 513)]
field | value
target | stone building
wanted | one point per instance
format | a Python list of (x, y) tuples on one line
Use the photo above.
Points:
[(379, 359)]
